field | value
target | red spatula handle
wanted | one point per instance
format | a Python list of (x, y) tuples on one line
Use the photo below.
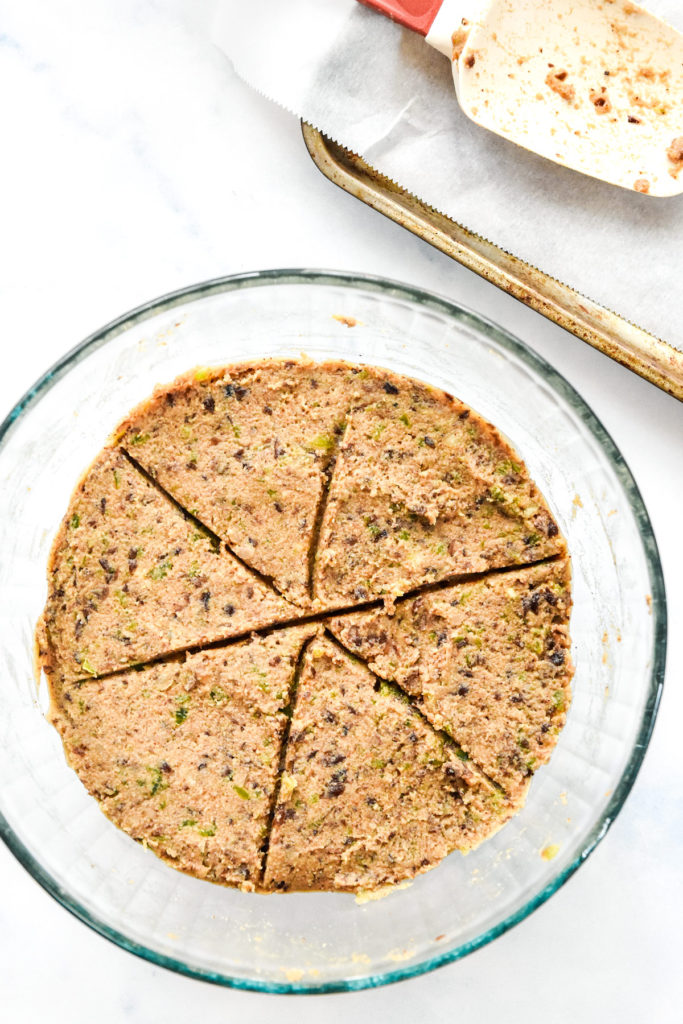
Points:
[(415, 14)]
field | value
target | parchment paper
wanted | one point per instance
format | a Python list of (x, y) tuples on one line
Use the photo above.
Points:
[(379, 90)]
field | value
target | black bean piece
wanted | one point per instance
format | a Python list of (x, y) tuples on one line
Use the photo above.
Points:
[(530, 602), (390, 389), (209, 403), (110, 571), (332, 759)]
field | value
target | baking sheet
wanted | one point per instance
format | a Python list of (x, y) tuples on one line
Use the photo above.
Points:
[(383, 93), (651, 358)]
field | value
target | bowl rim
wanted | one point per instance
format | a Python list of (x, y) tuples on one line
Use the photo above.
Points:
[(561, 385)]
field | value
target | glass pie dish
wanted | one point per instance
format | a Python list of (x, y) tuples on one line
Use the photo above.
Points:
[(327, 942)]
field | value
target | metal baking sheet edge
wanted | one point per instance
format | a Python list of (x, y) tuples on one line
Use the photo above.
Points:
[(650, 357)]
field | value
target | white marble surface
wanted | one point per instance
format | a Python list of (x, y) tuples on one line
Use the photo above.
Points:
[(133, 161)]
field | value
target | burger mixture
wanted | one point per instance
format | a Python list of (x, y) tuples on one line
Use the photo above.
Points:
[(307, 627)]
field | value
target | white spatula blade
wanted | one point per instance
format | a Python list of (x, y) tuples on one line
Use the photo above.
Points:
[(596, 85)]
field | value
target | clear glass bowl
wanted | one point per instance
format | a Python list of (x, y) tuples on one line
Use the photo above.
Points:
[(321, 942)]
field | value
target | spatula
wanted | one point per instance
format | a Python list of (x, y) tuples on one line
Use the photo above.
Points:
[(595, 85)]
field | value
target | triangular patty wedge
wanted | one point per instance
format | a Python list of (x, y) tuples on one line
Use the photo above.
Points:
[(425, 489), (247, 449), (131, 579), (184, 755), (488, 661), (371, 793)]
